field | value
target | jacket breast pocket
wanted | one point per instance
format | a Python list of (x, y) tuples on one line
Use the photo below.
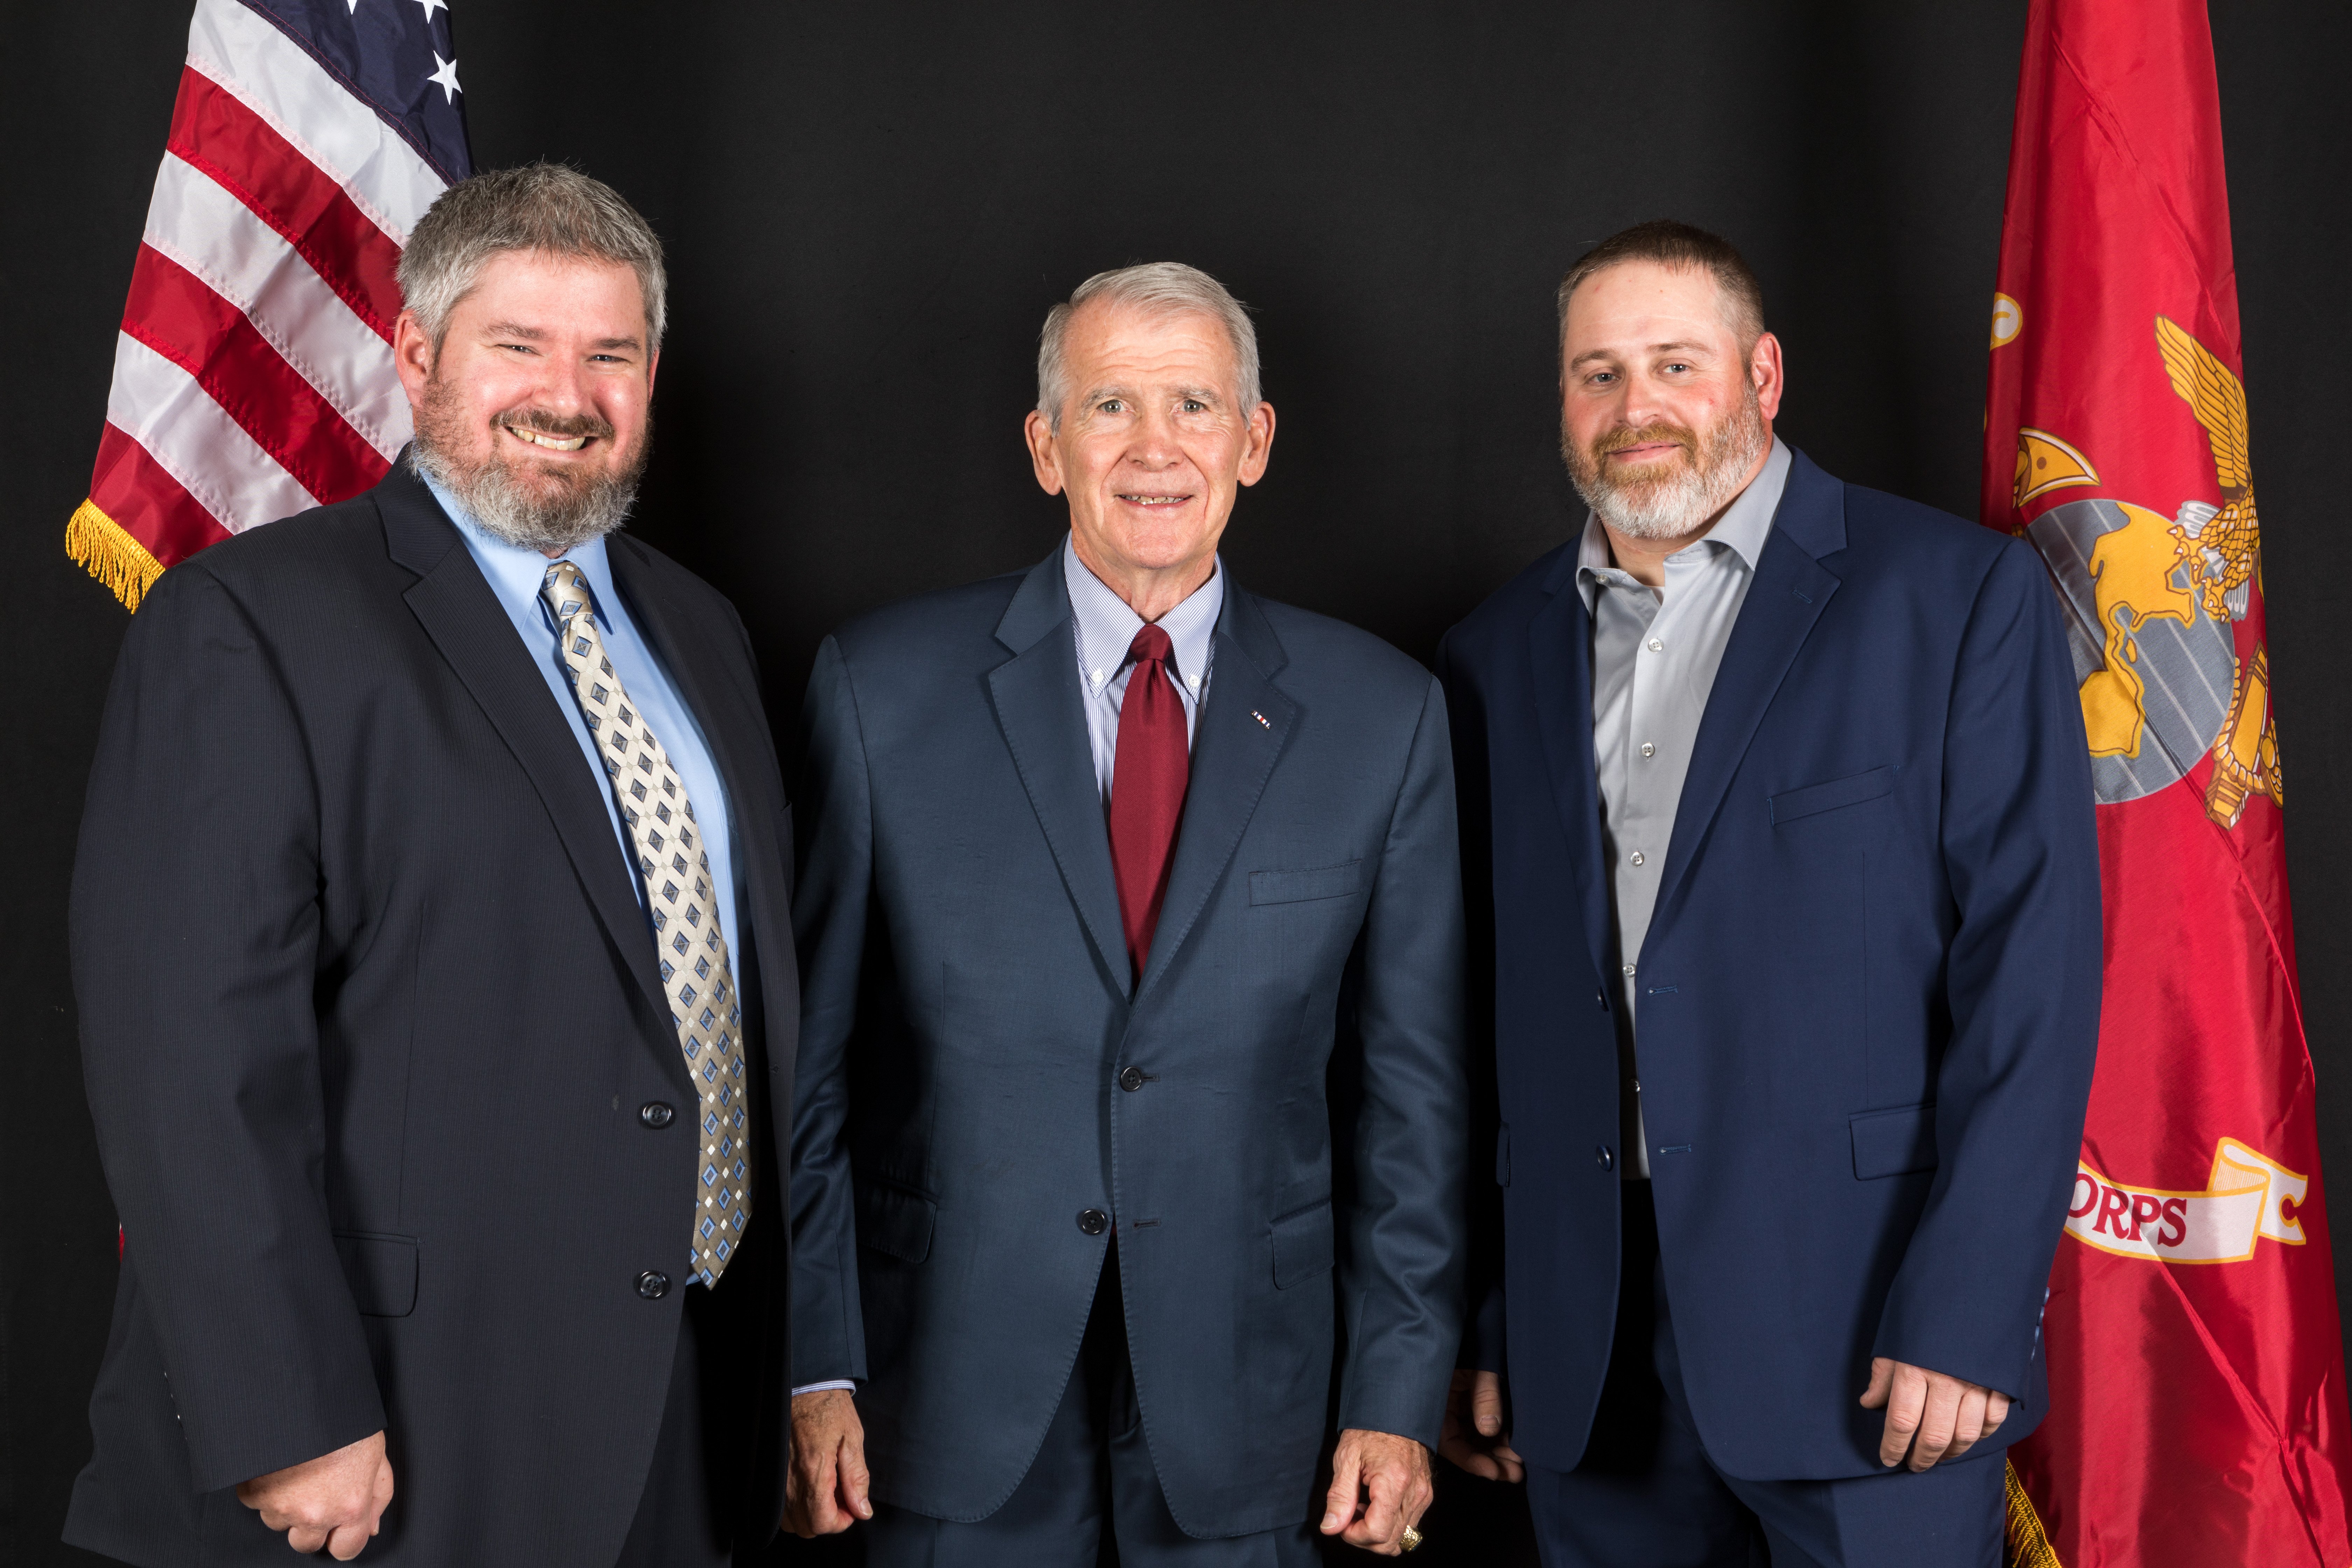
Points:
[(1894, 1142), (1298, 886), (381, 1271), (895, 1221), (1834, 794), (1302, 1245)]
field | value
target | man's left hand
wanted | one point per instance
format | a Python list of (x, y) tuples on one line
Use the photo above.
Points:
[(1930, 1416), (1379, 1485)]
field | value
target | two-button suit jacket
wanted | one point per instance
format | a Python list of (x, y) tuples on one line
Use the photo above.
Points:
[(970, 1017), (1868, 998), (369, 1008)]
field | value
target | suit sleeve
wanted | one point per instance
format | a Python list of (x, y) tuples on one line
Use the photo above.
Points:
[(1400, 1283), (1483, 1331), (194, 924), (2020, 853), (829, 914)]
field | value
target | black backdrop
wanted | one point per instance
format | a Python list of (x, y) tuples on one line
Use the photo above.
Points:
[(870, 208)]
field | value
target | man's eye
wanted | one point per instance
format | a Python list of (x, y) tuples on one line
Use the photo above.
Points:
[(1602, 377), (1678, 364), (1110, 406), (1194, 405)]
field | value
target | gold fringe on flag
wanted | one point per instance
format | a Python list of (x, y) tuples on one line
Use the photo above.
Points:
[(109, 554), (2028, 1546)]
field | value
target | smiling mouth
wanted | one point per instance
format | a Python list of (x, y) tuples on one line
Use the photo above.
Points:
[(1133, 499), (542, 439)]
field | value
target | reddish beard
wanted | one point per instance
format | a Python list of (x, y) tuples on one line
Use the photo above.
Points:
[(1668, 499)]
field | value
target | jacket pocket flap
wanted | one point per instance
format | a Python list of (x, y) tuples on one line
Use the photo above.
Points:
[(895, 1221), (1894, 1142), (381, 1271), (1791, 804), (1302, 1245), (1295, 887)]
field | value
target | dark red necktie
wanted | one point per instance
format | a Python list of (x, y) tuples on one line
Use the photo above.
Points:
[(1148, 772)]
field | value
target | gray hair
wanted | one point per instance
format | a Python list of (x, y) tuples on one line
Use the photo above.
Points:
[(546, 208), (1161, 288)]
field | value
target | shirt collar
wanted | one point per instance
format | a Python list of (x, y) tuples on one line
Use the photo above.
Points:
[(516, 573), (1743, 527), (1106, 626)]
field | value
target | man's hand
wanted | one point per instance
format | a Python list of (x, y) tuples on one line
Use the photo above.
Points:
[(1930, 1416), (824, 1492), (336, 1501), (1379, 1484), (1472, 1436)]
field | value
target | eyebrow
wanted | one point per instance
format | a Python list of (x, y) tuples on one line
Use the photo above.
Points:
[(513, 330), (1655, 348)]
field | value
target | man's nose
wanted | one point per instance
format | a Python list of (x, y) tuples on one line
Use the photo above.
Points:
[(1155, 445), (563, 386)]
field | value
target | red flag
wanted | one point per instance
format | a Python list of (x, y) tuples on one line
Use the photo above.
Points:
[(2197, 1373)]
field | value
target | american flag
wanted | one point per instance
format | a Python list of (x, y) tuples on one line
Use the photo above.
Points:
[(252, 375)]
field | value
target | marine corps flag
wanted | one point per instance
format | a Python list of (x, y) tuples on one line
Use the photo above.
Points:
[(2196, 1369)]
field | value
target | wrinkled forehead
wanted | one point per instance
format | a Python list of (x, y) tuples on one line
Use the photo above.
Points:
[(1139, 344), (587, 295), (1636, 304)]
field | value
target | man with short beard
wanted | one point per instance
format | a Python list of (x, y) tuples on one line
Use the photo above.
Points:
[(438, 1014), (1785, 913)]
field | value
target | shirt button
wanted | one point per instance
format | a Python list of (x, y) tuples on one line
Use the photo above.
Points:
[(1094, 1222), (1637, 857), (1649, 750), (1657, 647), (1629, 969)]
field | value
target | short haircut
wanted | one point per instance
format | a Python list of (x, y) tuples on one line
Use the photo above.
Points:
[(1682, 247), (1161, 288), (545, 208)]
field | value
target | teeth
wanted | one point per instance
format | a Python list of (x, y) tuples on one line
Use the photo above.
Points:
[(555, 442), (1152, 500)]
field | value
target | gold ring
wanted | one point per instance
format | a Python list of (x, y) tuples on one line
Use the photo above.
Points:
[(1409, 1539)]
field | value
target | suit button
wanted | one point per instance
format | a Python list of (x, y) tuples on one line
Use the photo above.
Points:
[(1094, 1222), (654, 1114), (1608, 1160), (653, 1285), (1131, 1079)]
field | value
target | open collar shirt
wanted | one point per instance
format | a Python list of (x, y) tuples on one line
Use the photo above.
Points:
[(1654, 655)]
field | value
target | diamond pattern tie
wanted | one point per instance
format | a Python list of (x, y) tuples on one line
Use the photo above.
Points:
[(696, 974)]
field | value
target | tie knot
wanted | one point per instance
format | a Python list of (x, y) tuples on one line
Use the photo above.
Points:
[(1150, 646), (565, 589)]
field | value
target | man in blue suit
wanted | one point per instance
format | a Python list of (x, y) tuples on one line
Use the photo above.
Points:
[(1785, 901), (1133, 1062)]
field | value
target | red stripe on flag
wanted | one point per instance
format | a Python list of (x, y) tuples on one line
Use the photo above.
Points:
[(148, 503), (176, 313), (216, 133)]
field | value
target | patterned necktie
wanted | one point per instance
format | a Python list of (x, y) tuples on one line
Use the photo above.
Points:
[(695, 971), (1150, 766)]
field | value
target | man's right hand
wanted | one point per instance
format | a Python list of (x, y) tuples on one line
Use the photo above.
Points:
[(824, 1492), (1472, 1436), (336, 1501)]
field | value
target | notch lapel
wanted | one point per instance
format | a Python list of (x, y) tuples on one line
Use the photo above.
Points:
[(1560, 647), (1233, 756), (1791, 590), (1035, 695), (457, 610)]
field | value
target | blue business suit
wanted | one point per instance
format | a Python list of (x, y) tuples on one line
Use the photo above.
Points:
[(1869, 994), (979, 1067)]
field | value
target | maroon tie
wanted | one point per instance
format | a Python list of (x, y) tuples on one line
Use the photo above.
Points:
[(1148, 773)]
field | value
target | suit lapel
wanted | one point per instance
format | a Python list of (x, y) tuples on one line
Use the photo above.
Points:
[(1788, 595), (1035, 695), (1243, 725), (463, 616), (1560, 646)]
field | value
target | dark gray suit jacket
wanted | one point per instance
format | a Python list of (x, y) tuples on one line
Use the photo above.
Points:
[(369, 1011), (1274, 1117)]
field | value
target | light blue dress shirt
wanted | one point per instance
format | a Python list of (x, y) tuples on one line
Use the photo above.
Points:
[(1654, 655), (515, 575), (1106, 628)]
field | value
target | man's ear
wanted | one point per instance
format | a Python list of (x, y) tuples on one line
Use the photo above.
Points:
[(1766, 374), (412, 355), (1046, 462)]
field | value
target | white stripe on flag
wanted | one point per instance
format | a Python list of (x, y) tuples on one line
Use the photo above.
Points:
[(160, 405), (216, 237), (327, 124)]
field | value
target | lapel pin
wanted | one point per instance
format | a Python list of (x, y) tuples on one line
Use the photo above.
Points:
[(1261, 718)]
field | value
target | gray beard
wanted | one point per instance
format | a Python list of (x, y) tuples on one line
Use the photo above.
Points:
[(552, 526), (1678, 504)]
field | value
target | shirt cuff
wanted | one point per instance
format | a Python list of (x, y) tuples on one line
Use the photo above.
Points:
[(819, 1387)]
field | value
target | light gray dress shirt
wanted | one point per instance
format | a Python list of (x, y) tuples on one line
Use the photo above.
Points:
[(1106, 629), (1654, 655)]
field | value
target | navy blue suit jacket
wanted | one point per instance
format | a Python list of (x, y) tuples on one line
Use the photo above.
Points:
[(1274, 1117), (1869, 994)]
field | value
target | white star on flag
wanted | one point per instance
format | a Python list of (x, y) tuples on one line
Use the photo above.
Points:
[(430, 6), (445, 79)]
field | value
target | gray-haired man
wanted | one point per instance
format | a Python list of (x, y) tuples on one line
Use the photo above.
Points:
[(1111, 867), (433, 1018)]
